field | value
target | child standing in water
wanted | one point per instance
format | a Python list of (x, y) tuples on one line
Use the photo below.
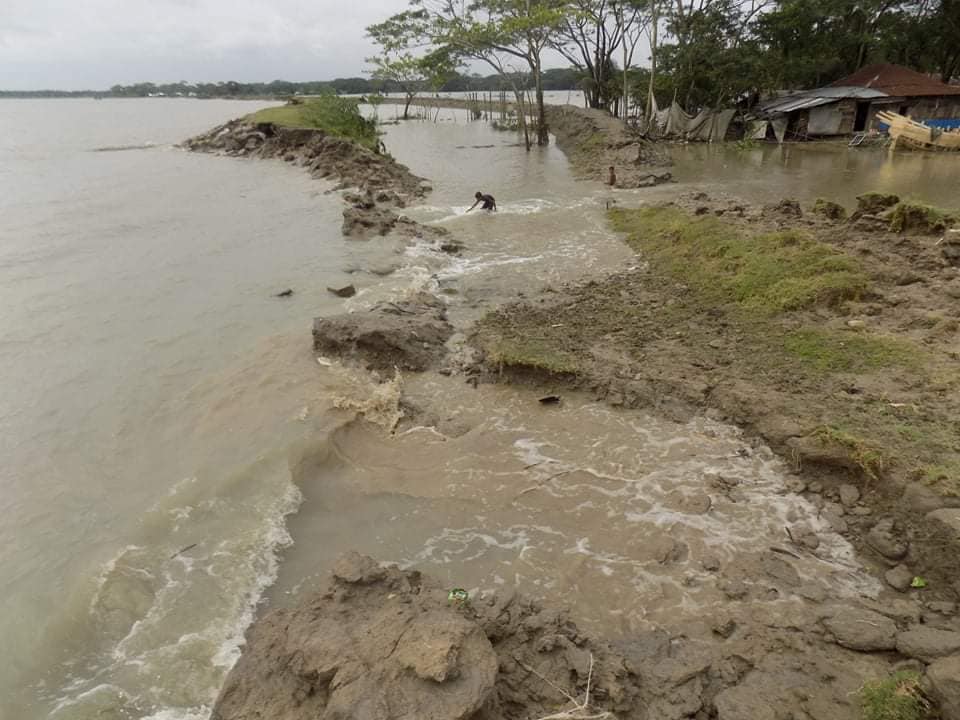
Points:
[(489, 204)]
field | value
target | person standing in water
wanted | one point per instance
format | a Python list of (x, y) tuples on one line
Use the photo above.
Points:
[(489, 204)]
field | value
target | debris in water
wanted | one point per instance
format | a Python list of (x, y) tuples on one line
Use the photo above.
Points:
[(458, 595), (345, 292), (550, 400), (181, 552), (918, 582), (321, 360), (285, 294)]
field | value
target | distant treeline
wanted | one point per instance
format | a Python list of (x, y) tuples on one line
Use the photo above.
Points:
[(556, 79)]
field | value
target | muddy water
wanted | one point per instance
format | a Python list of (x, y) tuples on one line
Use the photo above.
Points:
[(806, 171), (622, 515), (173, 449), (618, 512)]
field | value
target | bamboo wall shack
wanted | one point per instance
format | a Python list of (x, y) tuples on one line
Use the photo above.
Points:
[(852, 104)]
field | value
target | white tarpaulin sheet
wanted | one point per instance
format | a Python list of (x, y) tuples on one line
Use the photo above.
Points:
[(779, 128), (677, 121), (708, 125), (757, 130)]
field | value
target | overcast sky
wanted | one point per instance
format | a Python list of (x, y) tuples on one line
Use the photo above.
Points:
[(93, 44)]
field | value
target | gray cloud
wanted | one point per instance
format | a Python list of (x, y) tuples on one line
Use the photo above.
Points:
[(78, 44)]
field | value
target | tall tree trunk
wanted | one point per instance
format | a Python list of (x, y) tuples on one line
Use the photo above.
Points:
[(543, 135), (653, 63), (626, 63), (522, 117)]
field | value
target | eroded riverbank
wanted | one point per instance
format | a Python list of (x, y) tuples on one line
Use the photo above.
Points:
[(751, 591)]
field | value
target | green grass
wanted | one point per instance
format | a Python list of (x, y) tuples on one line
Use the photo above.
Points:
[(531, 354), (915, 216), (845, 351), (830, 209), (529, 344), (868, 458), (945, 479), (335, 115), (769, 273), (897, 697)]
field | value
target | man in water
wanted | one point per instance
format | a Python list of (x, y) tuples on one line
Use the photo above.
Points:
[(489, 204)]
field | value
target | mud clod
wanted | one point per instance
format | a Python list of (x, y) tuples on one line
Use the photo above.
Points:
[(408, 335), (382, 643), (928, 644), (862, 630), (887, 538)]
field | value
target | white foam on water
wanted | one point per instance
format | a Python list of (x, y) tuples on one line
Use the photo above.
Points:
[(184, 653)]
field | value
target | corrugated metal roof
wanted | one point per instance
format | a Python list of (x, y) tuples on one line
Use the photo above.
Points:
[(849, 91), (798, 103), (821, 96)]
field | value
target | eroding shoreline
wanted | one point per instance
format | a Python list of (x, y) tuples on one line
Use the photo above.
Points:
[(849, 373), (394, 642), (384, 186)]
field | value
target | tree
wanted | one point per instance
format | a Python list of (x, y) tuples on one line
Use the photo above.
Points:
[(404, 71), (589, 37), (499, 33), (398, 36)]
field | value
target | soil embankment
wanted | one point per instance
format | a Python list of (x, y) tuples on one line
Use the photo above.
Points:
[(594, 142), (385, 186), (383, 643)]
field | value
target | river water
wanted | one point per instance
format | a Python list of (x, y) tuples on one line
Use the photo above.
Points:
[(175, 457)]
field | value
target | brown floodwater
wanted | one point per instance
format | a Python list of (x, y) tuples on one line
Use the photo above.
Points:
[(175, 454), (806, 171)]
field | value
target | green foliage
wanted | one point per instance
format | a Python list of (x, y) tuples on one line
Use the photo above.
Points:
[(897, 697), (335, 115), (767, 274)]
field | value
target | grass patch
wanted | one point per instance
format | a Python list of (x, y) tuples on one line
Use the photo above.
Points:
[(829, 209), (529, 353), (916, 217), (897, 697), (945, 479), (769, 273), (867, 457), (833, 351), (332, 114)]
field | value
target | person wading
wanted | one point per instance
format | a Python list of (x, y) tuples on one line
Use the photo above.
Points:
[(489, 204)]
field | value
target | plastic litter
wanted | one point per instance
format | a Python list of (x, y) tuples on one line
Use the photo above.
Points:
[(458, 595)]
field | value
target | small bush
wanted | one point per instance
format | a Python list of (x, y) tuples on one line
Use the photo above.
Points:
[(898, 697), (335, 115)]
